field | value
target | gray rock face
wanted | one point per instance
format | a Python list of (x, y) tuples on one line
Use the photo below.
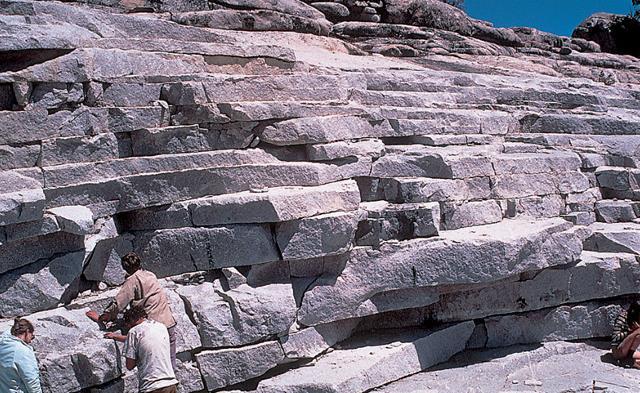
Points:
[(229, 366), (239, 316), (382, 361), (295, 190), (431, 263), (193, 249), (40, 286), (562, 323), (323, 235)]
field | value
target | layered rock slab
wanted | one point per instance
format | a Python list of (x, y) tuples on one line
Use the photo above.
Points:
[(465, 256), (365, 363)]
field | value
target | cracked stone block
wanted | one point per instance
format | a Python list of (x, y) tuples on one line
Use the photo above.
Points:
[(239, 316), (226, 367), (40, 286), (506, 248), (326, 234), (573, 322), (74, 219)]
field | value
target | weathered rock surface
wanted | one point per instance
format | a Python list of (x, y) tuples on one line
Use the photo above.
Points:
[(239, 316), (293, 190), (552, 367), (450, 259), (379, 358)]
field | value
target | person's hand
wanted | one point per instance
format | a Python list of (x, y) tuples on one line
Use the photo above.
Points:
[(111, 335), (93, 315), (635, 327)]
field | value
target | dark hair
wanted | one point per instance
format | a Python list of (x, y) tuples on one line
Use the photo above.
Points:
[(633, 313), (21, 326), (133, 315), (131, 262)]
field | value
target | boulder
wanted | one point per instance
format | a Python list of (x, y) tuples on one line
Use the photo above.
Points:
[(456, 216), (71, 351), (614, 33), (275, 204), (74, 219), (616, 273), (615, 211), (239, 316), (385, 221), (307, 343), (617, 237), (335, 12), (41, 285), (26, 251)]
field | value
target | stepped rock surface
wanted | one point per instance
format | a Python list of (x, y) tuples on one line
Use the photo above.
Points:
[(335, 195)]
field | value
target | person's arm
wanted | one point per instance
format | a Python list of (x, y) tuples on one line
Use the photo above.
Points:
[(27, 366), (124, 296), (115, 336), (131, 350)]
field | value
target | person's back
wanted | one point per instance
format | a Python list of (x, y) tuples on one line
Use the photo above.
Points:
[(151, 296), (148, 344), (18, 365)]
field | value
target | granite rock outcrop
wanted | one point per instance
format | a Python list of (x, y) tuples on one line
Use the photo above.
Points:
[(334, 195)]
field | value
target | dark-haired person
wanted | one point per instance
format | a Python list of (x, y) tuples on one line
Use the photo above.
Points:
[(18, 365), (141, 288), (625, 339), (146, 346)]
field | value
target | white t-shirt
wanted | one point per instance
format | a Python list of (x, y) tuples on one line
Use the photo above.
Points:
[(148, 345)]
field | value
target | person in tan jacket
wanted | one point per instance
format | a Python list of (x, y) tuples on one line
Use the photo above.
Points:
[(141, 289)]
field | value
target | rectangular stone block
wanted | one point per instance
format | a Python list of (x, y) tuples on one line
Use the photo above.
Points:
[(174, 251), (326, 234), (129, 94), (58, 176), (275, 204), (71, 150), (256, 111), (319, 130), (21, 206), (537, 206), (19, 156), (432, 164), (469, 214), (171, 140), (23, 252), (554, 161), (242, 315), (46, 225), (331, 151), (226, 367), (131, 119), (504, 249), (342, 370), (135, 192), (523, 185), (412, 190), (587, 320), (615, 273)]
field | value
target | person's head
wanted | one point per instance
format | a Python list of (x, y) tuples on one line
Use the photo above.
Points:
[(633, 313), (23, 329), (131, 263), (134, 316)]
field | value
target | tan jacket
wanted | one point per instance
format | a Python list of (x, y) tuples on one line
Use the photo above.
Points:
[(143, 289)]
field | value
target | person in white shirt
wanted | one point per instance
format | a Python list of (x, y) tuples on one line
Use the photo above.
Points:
[(147, 347)]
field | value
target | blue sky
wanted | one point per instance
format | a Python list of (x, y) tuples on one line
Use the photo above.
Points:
[(555, 16)]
